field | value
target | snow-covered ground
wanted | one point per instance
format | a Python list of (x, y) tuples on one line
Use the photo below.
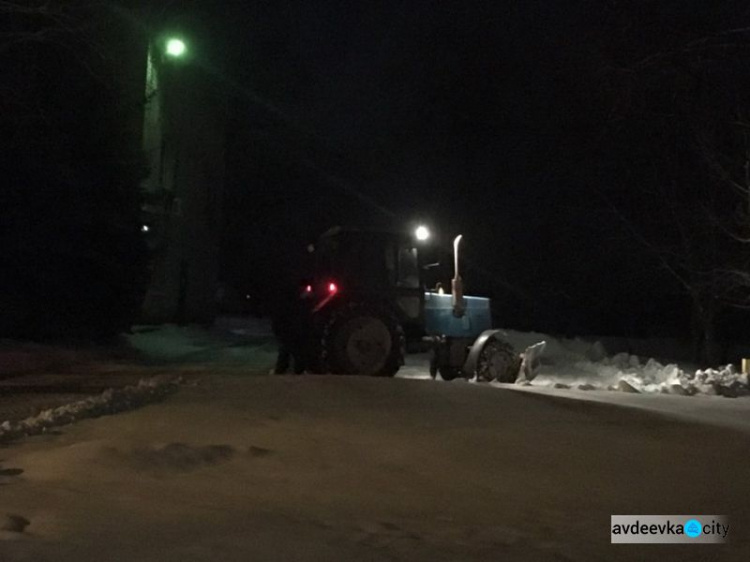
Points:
[(582, 365), (241, 466), (589, 366), (111, 401), (231, 341), (572, 368), (581, 370), (248, 342), (262, 468)]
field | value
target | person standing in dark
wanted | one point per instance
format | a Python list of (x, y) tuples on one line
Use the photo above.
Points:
[(290, 321)]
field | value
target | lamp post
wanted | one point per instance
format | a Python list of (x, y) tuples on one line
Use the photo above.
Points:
[(154, 117), (161, 146), (183, 142)]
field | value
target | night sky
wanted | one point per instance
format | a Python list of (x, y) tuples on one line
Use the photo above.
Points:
[(390, 113), (514, 123), (509, 122), (582, 147)]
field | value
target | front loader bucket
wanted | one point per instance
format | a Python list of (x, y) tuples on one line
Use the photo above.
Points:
[(492, 357), (530, 362)]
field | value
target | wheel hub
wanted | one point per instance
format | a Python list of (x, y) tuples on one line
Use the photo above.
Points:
[(368, 345), (496, 365)]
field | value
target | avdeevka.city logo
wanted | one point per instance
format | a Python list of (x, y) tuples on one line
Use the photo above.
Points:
[(691, 529)]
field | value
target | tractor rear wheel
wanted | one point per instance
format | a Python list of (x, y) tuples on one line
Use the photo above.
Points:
[(498, 361), (364, 340)]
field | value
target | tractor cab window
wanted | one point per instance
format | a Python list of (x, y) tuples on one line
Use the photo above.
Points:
[(354, 259), (325, 257), (408, 268)]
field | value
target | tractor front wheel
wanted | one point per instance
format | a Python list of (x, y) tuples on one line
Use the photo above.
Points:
[(498, 361)]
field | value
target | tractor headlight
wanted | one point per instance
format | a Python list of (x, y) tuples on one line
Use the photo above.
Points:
[(422, 233)]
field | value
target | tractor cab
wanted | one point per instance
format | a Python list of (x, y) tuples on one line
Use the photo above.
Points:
[(368, 260), (371, 266)]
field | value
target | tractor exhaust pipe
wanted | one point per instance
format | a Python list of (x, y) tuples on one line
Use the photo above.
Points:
[(457, 284)]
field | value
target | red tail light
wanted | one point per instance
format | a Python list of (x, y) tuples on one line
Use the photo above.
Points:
[(308, 289), (332, 288)]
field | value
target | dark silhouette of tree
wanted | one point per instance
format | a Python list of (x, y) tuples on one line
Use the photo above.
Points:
[(675, 147)]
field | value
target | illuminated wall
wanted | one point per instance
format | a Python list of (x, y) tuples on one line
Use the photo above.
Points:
[(183, 140)]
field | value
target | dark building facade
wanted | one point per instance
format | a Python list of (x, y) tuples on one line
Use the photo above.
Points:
[(183, 139)]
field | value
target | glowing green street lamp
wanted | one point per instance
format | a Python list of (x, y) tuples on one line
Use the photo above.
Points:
[(176, 48)]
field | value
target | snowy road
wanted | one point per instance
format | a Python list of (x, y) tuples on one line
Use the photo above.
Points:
[(708, 410), (348, 468)]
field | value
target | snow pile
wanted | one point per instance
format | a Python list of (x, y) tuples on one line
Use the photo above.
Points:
[(655, 377), (110, 401), (586, 366)]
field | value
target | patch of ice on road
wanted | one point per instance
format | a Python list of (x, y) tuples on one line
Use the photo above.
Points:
[(110, 401), (584, 365)]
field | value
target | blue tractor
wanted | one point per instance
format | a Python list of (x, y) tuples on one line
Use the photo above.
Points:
[(369, 301)]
